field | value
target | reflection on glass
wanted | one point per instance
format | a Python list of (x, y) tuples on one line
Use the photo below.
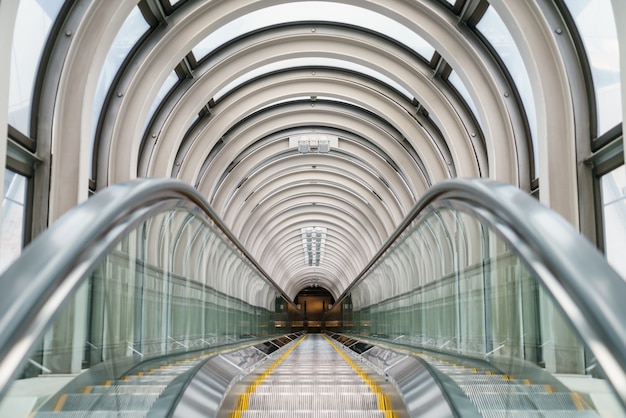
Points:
[(133, 28), (170, 81), (494, 29), (613, 187), (314, 11), (454, 293), (312, 62), (32, 25), (13, 206), (596, 24), (171, 293)]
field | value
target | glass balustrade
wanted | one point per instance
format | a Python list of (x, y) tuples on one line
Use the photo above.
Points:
[(173, 289), (454, 290)]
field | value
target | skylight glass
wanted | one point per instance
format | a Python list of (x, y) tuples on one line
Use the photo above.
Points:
[(494, 29), (32, 26), (596, 24), (170, 81), (314, 11), (130, 32), (312, 62), (458, 84)]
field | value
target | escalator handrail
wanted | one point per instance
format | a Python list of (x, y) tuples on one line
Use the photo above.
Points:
[(590, 293), (52, 267)]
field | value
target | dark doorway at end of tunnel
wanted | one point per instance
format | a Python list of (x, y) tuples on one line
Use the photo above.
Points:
[(314, 302)]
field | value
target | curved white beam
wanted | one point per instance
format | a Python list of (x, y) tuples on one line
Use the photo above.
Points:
[(560, 96), (487, 83)]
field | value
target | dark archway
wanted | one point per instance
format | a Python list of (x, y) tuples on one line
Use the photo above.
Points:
[(314, 302)]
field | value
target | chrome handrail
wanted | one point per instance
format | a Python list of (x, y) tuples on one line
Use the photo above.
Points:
[(53, 266), (573, 271)]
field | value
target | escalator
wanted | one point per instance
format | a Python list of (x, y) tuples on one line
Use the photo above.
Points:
[(483, 303), (314, 379)]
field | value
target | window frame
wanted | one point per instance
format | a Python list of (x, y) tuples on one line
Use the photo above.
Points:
[(22, 161), (605, 160)]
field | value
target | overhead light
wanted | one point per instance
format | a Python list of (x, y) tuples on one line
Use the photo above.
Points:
[(304, 146), (313, 244), (314, 143)]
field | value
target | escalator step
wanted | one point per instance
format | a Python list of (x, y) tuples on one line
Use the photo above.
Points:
[(478, 379), (356, 387), (322, 381), (503, 389), (539, 414), (106, 402), (119, 389), (312, 402), (516, 401), (313, 414), (92, 414), (145, 380)]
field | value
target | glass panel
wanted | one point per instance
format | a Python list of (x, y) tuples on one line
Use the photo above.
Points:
[(312, 62), (131, 31), (613, 186), (170, 81), (314, 11), (596, 24), (32, 26), (494, 29), (454, 292), (458, 84), (13, 207), (172, 291)]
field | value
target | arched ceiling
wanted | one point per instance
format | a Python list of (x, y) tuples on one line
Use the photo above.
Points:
[(312, 128)]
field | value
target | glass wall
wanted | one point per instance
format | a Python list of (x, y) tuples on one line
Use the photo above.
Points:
[(613, 188), (32, 26), (173, 290), (453, 288), (596, 24), (13, 217), (493, 28)]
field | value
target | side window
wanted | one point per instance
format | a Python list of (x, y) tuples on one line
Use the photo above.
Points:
[(14, 217), (613, 194)]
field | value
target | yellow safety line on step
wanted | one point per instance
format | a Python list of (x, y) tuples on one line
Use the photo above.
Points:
[(59, 406), (384, 403), (578, 401), (244, 399), (87, 390)]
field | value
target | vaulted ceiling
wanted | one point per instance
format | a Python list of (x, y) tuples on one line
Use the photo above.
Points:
[(312, 127)]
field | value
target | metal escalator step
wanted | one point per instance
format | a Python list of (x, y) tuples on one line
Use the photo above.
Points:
[(539, 414), (170, 371), (129, 389), (357, 387), (502, 388), (517, 401), (478, 379), (146, 380), (109, 402), (312, 402), (313, 414), (92, 414)]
